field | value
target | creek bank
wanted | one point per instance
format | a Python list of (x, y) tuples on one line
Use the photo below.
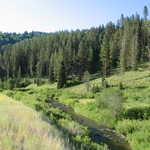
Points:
[(99, 134)]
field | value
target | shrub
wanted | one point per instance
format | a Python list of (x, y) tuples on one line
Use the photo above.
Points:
[(104, 83), (38, 107), (9, 93), (10, 84), (24, 83), (121, 86), (111, 99), (86, 80), (137, 113), (1, 84), (95, 88), (38, 81), (72, 82)]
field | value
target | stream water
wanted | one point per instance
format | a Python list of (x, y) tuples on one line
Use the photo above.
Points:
[(99, 134)]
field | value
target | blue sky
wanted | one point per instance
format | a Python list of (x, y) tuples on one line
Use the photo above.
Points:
[(54, 15)]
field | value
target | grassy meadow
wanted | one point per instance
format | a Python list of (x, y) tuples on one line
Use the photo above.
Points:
[(133, 123), (22, 128)]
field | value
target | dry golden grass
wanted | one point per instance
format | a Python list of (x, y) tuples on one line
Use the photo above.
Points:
[(21, 128)]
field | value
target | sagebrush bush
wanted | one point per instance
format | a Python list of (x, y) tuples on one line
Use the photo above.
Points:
[(111, 99)]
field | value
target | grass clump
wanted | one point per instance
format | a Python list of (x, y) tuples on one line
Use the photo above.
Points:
[(137, 133), (22, 128)]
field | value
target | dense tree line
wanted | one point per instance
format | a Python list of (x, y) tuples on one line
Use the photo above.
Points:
[(12, 38), (43, 55), (67, 55)]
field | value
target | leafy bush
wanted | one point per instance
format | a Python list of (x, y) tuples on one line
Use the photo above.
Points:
[(23, 83), (38, 107), (95, 88), (86, 80), (111, 99), (1, 84), (9, 93), (72, 82), (38, 81), (137, 113), (105, 83), (10, 84), (121, 86)]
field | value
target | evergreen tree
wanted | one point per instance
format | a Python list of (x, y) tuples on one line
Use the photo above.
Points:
[(51, 70), (134, 51), (19, 73), (145, 12), (105, 53), (31, 64), (83, 54), (61, 83)]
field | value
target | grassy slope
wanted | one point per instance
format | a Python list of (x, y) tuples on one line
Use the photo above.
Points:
[(136, 93), (22, 128)]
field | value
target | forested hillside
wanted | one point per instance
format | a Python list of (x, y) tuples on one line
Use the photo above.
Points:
[(12, 38), (69, 54)]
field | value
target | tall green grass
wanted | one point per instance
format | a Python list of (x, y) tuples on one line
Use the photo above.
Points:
[(136, 93), (21, 128)]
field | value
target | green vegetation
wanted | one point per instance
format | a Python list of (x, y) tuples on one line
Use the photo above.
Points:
[(98, 76), (23, 128), (126, 110), (12, 38), (112, 100), (38, 98), (61, 76)]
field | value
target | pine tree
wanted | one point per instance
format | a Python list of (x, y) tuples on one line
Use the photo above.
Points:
[(115, 49), (83, 54), (38, 69), (51, 70), (105, 52), (145, 12), (61, 83), (105, 57), (125, 46), (19, 73), (134, 50), (31, 64)]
